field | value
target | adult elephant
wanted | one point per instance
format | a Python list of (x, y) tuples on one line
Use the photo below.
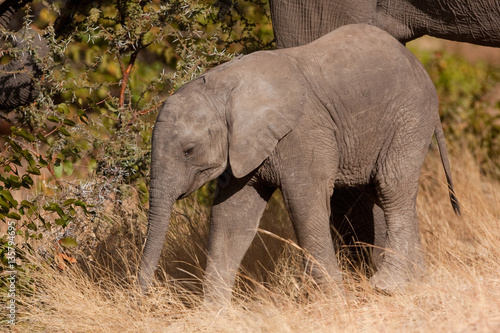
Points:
[(298, 22)]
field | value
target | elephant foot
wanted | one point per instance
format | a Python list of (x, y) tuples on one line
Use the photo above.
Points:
[(334, 290), (388, 282), (395, 275)]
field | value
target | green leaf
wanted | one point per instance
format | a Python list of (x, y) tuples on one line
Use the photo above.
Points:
[(63, 221), (26, 181), (53, 207), (68, 202), (63, 108), (58, 169), (12, 182), (31, 211), (24, 134), (69, 122), (16, 160), (82, 115), (26, 203), (68, 167), (53, 119), (46, 225), (110, 107), (15, 147), (63, 131), (4, 204), (34, 170), (83, 119), (8, 197), (42, 138), (83, 205), (68, 242), (42, 161), (14, 216)]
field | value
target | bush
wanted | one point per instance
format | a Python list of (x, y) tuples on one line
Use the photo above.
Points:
[(471, 118), (77, 161)]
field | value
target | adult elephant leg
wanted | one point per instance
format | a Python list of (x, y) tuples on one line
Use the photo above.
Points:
[(358, 223), (236, 213), (298, 22)]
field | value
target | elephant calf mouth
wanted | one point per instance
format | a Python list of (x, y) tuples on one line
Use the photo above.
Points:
[(182, 196)]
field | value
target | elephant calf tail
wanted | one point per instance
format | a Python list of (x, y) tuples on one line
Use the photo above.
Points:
[(438, 131)]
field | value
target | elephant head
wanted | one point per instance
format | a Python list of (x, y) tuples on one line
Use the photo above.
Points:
[(231, 119)]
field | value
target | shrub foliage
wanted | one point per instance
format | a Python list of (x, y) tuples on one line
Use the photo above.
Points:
[(84, 144)]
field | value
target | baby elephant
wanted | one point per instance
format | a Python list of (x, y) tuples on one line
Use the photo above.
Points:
[(353, 109)]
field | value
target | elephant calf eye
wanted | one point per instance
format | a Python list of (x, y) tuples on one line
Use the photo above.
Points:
[(188, 152)]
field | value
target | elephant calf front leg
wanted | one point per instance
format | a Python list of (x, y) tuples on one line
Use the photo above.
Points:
[(309, 208), (236, 213)]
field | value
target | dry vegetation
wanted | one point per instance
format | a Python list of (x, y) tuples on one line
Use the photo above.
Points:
[(460, 293)]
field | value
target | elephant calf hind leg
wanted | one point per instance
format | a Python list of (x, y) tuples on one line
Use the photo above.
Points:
[(403, 256)]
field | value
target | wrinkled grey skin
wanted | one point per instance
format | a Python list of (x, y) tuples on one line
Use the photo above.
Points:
[(297, 22), (354, 109)]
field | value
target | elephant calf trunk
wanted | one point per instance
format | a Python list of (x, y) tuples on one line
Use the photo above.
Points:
[(159, 218)]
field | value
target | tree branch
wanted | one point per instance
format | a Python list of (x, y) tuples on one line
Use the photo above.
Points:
[(126, 76)]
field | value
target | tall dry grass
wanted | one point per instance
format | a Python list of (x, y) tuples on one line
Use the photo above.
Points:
[(460, 293)]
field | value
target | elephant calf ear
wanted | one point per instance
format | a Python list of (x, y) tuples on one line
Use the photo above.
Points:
[(266, 104)]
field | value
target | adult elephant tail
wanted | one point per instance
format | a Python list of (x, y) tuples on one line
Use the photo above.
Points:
[(438, 132)]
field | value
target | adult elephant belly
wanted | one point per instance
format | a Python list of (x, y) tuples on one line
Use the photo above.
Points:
[(298, 22), (471, 21)]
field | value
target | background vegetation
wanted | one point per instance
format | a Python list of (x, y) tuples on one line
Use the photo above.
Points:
[(74, 177), (83, 147)]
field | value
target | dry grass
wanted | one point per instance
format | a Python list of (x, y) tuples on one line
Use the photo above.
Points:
[(460, 293)]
